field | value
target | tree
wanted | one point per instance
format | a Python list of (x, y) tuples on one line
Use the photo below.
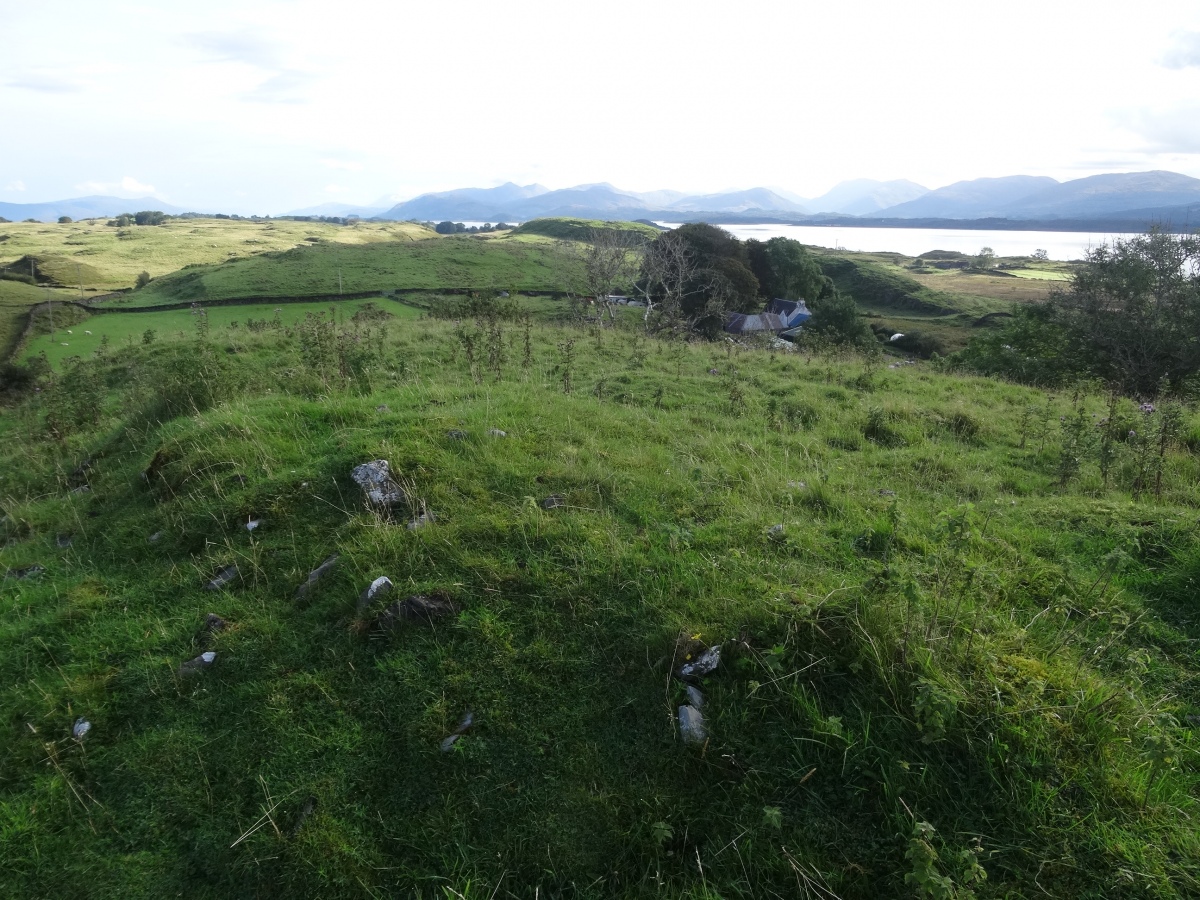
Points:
[(65, 220), (611, 260), (1130, 316), (984, 260), (149, 217), (1040, 255), (785, 269), (835, 319), (143, 279), (670, 272)]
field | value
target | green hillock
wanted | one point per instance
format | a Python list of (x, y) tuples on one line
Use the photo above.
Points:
[(955, 638), (569, 229)]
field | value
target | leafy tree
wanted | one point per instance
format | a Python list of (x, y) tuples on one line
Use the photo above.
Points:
[(149, 217), (785, 269), (835, 319), (1131, 317), (984, 260), (143, 279), (65, 220)]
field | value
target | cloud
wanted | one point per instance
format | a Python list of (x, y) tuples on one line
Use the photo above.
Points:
[(1167, 131), (1184, 52), (127, 185), (17, 185), (334, 189), (340, 164), (220, 46), (285, 87), (45, 84)]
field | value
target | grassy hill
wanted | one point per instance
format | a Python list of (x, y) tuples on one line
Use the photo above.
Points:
[(961, 648), (569, 229), (107, 258), (449, 262)]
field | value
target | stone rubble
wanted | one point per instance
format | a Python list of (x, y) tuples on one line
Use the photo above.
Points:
[(316, 575)]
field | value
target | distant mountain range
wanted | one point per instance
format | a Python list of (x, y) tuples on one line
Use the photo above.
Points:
[(94, 207), (1121, 201)]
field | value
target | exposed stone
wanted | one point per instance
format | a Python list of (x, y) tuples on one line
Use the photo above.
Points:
[(82, 489), (554, 501), (457, 434), (691, 725), (309, 807), (775, 531), (418, 608), (380, 587), (155, 538), (253, 523), (34, 571), (798, 485), (884, 492), (705, 664), (212, 624), (199, 664), (222, 578), (63, 541), (315, 576), (383, 493), (382, 407), (463, 726), (497, 433), (80, 729), (695, 698)]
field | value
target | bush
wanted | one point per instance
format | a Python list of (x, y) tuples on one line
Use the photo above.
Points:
[(143, 279), (65, 220), (149, 217)]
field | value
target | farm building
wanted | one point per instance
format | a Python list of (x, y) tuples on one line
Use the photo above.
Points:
[(779, 316)]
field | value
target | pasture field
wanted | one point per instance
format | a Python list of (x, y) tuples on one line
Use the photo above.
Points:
[(15, 300), (480, 263), (956, 639), (86, 337), (107, 258)]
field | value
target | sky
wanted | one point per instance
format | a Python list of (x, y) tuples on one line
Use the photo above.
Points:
[(274, 105)]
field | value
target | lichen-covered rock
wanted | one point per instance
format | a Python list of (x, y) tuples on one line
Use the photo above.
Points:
[(199, 664), (554, 501), (704, 664), (383, 494)]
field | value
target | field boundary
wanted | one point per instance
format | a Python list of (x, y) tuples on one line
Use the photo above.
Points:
[(307, 298)]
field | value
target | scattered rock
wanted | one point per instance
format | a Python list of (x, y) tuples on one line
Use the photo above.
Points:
[(212, 624), (380, 587), (382, 407), (691, 725), (798, 485), (463, 726), (383, 493), (496, 432), (775, 531), (418, 608), (80, 729), (222, 578), (63, 541), (199, 664), (82, 489), (457, 434), (714, 372), (253, 523), (315, 576), (34, 571), (78, 475), (155, 538), (705, 664), (695, 698), (554, 501), (886, 493), (424, 520)]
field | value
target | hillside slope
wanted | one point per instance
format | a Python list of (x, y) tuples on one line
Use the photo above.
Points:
[(938, 652)]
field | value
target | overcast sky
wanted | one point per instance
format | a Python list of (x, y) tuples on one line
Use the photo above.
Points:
[(269, 106)]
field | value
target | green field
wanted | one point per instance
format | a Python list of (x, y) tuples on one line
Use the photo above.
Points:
[(483, 263), (106, 258), (85, 338), (964, 647)]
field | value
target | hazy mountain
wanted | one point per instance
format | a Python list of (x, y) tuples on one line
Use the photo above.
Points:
[(94, 207), (584, 201), (340, 210), (1100, 195), (977, 199), (737, 201), (865, 196)]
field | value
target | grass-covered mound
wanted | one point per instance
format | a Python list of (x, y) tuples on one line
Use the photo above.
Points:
[(455, 262), (568, 229), (106, 258), (961, 650)]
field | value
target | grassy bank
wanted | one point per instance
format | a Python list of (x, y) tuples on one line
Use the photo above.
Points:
[(954, 629)]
